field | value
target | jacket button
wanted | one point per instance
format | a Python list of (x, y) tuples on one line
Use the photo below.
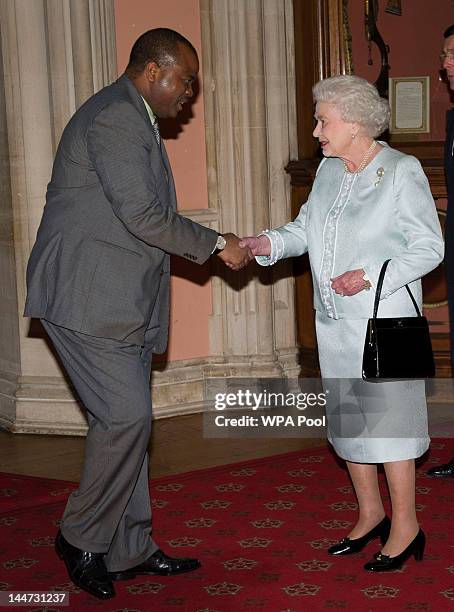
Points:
[(161, 273)]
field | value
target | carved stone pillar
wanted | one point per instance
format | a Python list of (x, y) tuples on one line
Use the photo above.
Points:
[(82, 54), (50, 64), (250, 122), (250, 101)]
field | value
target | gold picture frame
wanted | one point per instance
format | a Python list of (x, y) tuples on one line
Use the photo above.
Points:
[(410, 105), (394, 7)]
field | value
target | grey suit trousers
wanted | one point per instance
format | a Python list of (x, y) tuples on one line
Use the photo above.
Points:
[(110, 512)]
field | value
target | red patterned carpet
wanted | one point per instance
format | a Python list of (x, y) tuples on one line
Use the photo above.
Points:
[(261, 529)]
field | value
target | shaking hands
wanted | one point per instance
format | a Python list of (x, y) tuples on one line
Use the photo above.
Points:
[(238, 252), (233, 255)]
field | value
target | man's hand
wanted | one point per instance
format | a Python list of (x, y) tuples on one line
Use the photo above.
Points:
[(233, 255), (258, 246), (350, 283)]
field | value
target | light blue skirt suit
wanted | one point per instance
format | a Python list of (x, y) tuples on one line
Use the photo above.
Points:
[(353, 221)]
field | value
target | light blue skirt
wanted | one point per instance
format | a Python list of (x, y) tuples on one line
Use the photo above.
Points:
[(367, 422)]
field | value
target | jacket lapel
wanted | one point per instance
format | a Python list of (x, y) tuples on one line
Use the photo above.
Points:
[(169, 175), (127, 86), (449, 159), (449, 142)]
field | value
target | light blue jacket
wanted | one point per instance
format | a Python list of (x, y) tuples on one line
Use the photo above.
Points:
[(353, 221)]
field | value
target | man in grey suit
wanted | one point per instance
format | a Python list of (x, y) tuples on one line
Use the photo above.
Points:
[(98, 278)]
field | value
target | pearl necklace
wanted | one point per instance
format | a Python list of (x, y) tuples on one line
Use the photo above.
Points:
[(364, 161)]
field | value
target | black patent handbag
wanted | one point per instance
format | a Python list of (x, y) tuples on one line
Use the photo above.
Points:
[(397, 348)]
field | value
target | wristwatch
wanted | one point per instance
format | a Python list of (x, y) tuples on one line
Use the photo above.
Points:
[(220, 244)]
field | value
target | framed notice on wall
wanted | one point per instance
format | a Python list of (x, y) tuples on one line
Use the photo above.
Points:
[(409, 101)]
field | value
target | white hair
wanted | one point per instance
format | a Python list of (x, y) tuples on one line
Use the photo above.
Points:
[(357, 100)]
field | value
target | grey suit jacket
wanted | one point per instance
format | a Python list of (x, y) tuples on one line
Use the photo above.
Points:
[(100, 264)]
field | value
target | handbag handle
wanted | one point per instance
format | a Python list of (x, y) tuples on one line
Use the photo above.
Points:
[(378, 291)]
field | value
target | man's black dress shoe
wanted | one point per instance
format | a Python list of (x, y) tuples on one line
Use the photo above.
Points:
[(86, 569), (384, 563), (159, 563), (447, 469), (348, 546)]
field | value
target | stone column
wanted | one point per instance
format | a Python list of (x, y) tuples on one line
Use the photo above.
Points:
[(50, 63), (249, 96), (250, 124)]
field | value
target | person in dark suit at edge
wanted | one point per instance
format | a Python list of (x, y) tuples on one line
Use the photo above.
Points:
[(447, 59), (98, 278)]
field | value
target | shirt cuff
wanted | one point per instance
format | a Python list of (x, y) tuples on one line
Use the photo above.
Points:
[(277, 248)]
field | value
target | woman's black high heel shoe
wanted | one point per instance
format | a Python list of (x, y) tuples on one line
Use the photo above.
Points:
[(348, 546), (384, 563)]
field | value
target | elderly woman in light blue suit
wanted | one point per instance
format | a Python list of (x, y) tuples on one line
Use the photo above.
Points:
[(369, 203)]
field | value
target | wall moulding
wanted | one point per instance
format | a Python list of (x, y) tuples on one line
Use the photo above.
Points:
[(47, 405)]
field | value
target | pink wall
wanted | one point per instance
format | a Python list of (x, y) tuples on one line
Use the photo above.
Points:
[(185, 144), (415, 40)]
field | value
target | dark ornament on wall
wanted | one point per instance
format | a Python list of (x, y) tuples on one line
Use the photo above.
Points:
[(374, 36)]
